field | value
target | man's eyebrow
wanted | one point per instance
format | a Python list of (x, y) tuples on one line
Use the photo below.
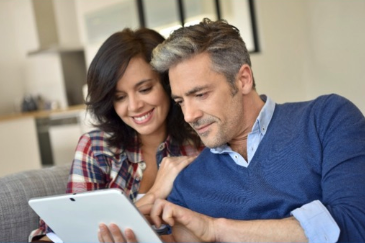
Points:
[(190, 92), (174, 97), (195, 90)]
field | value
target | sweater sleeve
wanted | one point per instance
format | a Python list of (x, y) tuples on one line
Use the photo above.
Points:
[(341, 128)]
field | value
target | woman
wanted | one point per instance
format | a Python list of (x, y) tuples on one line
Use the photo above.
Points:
[(140, 131)]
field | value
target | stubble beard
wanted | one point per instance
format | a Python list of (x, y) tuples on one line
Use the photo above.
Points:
[(209, 139), (225, 131)]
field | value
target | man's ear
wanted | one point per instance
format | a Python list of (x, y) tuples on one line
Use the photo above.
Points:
[(245, 79)]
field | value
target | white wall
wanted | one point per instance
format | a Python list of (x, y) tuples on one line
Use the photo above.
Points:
[(96, 16), (310, 48), (66, 19), (17, 28), (337, 44), (280, 65)]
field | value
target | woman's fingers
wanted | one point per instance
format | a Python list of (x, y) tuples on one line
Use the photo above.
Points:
[(112, 233), (104, 235), (181, 161), (170, 167), (130, 236), (186, 161), (116, 233)]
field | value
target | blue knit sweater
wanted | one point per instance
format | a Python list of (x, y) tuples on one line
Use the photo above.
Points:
[(312, 150)]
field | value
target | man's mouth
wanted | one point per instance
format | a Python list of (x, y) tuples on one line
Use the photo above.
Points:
[(202, 129)]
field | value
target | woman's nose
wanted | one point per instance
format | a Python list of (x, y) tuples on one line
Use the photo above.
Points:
[(134, 103)]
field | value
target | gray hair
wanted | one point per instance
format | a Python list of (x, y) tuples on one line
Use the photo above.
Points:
[(221, 40)]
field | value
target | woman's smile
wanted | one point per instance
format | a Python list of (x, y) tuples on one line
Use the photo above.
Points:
[(143, 118)]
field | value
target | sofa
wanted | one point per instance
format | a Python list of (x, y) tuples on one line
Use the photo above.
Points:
[(17, 219)]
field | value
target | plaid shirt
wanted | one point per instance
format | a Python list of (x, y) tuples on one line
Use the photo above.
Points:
[(97, 166)]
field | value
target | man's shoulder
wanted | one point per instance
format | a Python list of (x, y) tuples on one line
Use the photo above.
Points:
[(200, 162), (332, 99), (204, 154), (328, 101), (334, 103), (325, 110)]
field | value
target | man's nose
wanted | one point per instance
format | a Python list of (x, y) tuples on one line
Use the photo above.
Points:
[(191, 113)]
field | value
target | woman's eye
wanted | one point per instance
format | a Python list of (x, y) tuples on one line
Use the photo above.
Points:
[(145, 90), (119, 98)]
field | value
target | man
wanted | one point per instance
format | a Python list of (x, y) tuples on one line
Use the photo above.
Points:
[(291, 172), (272, 172)]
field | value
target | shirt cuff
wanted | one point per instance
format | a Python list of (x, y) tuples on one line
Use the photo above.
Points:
[(317, 223)]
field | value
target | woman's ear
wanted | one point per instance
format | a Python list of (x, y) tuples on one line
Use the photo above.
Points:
[(245, 79)]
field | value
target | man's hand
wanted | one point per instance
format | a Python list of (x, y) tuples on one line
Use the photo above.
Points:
[(199, 226), (114, 234)]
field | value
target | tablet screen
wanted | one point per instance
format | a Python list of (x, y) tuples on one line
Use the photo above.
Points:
[(76, 217)]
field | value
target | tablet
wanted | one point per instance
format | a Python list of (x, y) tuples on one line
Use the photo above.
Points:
[(76, 217)]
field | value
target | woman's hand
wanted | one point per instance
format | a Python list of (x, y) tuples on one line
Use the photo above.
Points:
[(170, 167), (114, 234)]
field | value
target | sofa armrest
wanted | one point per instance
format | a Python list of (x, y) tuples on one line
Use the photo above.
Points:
[(17, 219)]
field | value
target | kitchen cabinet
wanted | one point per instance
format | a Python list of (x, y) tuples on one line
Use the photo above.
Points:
[(63, 139), (39, 139), (18, 145), (57, 75), (64, 133)]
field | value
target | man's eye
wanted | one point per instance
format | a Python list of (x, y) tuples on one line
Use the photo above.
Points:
[(178, 102), (201, 95)]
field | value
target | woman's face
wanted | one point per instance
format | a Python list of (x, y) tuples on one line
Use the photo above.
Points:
[(140, 100)]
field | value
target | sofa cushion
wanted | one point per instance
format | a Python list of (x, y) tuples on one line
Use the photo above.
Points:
[(17, 219)]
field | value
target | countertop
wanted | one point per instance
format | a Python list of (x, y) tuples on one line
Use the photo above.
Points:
[(42, 113)]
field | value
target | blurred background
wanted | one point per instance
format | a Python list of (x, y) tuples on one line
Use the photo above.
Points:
[(299, 49)]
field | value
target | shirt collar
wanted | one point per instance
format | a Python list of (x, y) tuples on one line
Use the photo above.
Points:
[(264, 117), (135, 154)]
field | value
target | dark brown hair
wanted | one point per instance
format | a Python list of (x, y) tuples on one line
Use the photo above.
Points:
[(107, 67)]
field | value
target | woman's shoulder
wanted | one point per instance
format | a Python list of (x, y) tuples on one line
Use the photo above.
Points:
[(96, 140), (94, 136)]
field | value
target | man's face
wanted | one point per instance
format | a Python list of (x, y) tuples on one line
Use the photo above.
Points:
[(207, 101)]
